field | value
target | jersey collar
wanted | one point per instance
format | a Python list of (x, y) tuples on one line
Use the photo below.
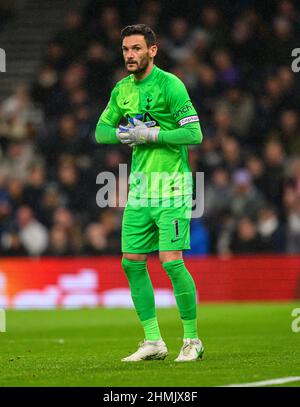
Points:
[(148, 77)]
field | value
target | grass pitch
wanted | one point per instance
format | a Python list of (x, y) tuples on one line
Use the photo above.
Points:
[(243, 343)]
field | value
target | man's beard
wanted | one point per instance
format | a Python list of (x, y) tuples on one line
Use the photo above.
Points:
[(142, 67)]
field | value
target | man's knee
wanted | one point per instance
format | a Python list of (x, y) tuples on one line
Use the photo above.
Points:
[(134, 264), (135, 256), (170, 256)]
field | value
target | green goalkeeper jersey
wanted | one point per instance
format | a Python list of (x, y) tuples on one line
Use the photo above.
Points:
[(161, 169)]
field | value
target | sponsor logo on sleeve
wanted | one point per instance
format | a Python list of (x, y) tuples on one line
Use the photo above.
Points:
[(184, 110)]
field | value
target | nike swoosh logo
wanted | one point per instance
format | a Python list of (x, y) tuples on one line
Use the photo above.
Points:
[(126, 102), (200, 353), (174, 240)]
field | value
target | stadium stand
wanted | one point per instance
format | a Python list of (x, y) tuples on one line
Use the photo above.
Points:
[(239, 77)]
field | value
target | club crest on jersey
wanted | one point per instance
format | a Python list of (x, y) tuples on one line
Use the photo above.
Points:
[(149, 100)]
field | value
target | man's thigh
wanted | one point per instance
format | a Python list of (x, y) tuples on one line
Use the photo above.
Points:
[(139, 231), (174, 227)]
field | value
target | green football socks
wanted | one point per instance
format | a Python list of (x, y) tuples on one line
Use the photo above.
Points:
[(142, 296), (185, 294), (151, 329)]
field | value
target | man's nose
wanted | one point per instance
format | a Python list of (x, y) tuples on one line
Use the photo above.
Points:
[(130, 54)]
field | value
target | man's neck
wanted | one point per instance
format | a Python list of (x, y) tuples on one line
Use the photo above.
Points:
[(142, 75)]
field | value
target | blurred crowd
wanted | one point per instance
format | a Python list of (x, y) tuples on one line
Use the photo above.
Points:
[(235, 59)]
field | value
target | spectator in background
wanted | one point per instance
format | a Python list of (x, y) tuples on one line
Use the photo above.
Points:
[(289, 86), (11, 245), (293, 227), (33, 235), (289, 131), (246, 239), (293, 174), (207, 92), (256, 167), (110, 219), (222, 232), (45, 90), (5, 206), (95, 240), (106, 19), (19, 157), (270, 104), (98, 65), (190, 65), (241, 109), (210, 154), (179, 44), (73, 190), (150, 14), (274, 175), (17, 114), (112, 160), (15, 188), (270, 230), (284, 40), (64, 140), (74, 77), (51, 200), (287, 9), (291, 204), (83, 110), (163, 59), (73, 37), (245, 199), (217, 193), (214, 26), (71, 223), (59, 244), (232, 156), (222, 121), (248, 46), (34, 188), (228, 73), (56, 56)]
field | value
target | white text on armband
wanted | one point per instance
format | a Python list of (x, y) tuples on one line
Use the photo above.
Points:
[(189, 119)]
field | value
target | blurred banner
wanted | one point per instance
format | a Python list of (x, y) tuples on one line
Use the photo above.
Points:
[(92, 282)]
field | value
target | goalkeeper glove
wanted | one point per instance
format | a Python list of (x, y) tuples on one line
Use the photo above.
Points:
[(122, 133), (138, 132)]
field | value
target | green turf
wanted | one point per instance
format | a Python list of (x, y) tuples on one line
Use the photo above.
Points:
[(244, 343)]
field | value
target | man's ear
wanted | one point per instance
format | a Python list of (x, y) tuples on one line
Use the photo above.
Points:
[(153, 50)]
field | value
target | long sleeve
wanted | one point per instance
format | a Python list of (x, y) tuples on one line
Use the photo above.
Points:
[(184, 113), (188, 134), (106, 134), (106, 127)]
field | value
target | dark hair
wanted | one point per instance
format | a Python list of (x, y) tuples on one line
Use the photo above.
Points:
[(141, 29)]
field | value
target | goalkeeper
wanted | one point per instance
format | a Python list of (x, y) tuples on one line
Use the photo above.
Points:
[(161, 122)]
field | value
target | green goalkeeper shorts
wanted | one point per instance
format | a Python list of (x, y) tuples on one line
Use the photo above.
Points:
[(162, 224)]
